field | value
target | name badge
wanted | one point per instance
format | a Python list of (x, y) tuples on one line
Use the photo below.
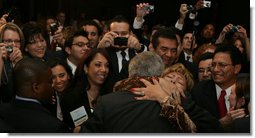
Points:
[(79, 116)]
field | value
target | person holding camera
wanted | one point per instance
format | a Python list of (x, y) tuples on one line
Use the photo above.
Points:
[(142, 9), (11, 42), (54, 37), (121, 45), (237, 35)]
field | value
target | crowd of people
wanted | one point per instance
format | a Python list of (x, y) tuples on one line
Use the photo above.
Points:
[(116, 77)]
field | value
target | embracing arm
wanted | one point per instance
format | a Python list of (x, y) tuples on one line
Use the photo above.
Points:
[(171, 109)]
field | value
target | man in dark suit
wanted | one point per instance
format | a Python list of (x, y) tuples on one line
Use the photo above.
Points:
[(121, 46), (226, 65), (33, 86), (120, 112)]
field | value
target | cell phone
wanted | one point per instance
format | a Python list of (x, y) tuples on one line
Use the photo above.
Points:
[(53, 28), (121, 41), (11, 15)]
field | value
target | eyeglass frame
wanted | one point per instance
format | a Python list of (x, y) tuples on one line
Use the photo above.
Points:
[(8, 41), (220, 65), (81, 44)]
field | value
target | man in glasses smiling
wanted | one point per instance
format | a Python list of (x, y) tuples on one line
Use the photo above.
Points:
[(213, 94)]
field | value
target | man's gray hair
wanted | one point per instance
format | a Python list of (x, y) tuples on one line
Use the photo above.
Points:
[(146, 64)]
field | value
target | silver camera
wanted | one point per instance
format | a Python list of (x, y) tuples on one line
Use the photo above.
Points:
[(149, 8), (207, 4), (9, 49)]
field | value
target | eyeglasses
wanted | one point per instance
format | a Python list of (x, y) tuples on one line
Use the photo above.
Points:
[(220, 65), (81, 44), (8, 41)]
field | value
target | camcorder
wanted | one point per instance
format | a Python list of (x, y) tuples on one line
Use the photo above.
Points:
[(53, 28), (149, 8), (9, 49), (11, 15), (121, 41)]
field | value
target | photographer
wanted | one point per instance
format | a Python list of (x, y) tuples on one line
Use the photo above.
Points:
[(237, 35), (11, 41), (54, 37), (142, 9), (121, 45)]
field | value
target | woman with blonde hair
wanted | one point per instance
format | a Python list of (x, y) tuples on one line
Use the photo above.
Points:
[(172, 92)]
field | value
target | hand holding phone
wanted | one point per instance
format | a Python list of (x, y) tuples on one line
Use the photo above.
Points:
[(53, 28), (11, 15)]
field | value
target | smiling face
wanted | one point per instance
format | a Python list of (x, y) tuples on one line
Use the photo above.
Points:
[(97, 70), (167, 50), (60, 78), (37, 46), (223, 71)]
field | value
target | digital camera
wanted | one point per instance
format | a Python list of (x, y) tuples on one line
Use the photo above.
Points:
[(121, 41), (53, 28), (149, 8), (190, 8), (207, 4), (234, 29), (9, 49)]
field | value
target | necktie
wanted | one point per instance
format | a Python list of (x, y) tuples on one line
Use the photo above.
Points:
[(188, 57), (53, 45), (124, 61), (221, 104)]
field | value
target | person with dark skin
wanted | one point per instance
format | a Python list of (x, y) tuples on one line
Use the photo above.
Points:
[(33, 86)]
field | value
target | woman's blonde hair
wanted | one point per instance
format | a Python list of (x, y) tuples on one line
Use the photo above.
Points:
[(179, 68)]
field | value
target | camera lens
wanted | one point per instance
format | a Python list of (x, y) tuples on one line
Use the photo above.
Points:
[(9, 49)]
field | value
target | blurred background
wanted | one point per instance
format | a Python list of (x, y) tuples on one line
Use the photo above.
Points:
[(166, 12)]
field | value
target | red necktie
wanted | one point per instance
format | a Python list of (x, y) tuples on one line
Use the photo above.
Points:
[(222, 104), (53, 45)]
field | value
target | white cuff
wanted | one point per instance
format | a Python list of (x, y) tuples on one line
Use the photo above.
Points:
[(137, 24), (178, 25)]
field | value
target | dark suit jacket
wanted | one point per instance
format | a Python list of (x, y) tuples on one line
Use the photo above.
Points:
[(114, 61), (119, 112), (204, 95), (241, 125), (73, 99), (204, 121), (7, 92), (30, 117)]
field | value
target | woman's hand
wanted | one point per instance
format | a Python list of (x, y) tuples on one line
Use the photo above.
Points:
[(152, 92)]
